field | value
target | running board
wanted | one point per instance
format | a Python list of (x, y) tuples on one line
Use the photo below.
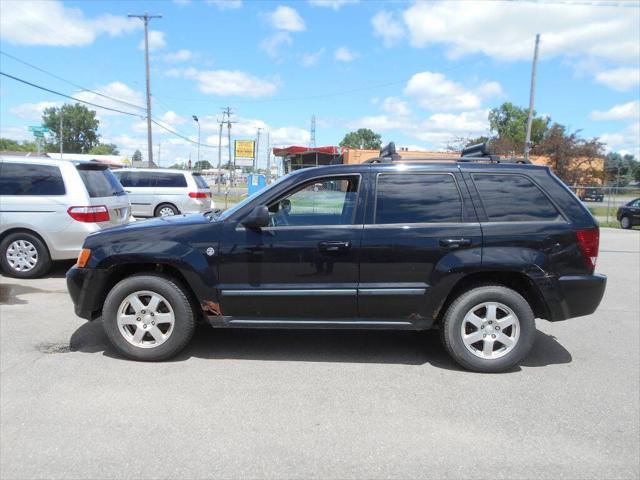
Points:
[(230, 322)]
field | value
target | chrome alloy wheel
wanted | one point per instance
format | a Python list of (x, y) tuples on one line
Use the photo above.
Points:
[(490, 330), (22, 256), (166, 212), (145, 319)]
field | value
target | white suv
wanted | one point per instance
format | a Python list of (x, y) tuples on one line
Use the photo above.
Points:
[(162, 192), (48, 207)]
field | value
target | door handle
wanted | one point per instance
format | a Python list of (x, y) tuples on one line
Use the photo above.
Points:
[(334, 246), (455, 242)]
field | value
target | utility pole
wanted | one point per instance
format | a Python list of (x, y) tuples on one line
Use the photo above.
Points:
[(256, 155), (145, 18), (268, 155), (159, 143), (61, 135), (195, 119), (220, 153), (312, 132), (228, 113), (532, 94)]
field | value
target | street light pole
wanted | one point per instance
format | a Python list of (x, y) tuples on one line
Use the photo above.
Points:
[(61, 136), (532, 94), (195, 119), (145, 18)]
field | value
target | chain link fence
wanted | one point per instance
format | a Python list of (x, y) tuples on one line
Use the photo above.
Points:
[(603, 202)]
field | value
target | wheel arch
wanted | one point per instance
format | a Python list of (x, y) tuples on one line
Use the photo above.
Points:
[(162, 204), (30, 231), (514, 280)]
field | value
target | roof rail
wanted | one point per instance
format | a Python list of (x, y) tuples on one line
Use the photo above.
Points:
[(473, 153)]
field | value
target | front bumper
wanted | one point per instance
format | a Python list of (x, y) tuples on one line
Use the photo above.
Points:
[(87, 289)]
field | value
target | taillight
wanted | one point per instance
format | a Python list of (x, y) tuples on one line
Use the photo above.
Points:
[(589, 242), (92, 214), (199, 194)]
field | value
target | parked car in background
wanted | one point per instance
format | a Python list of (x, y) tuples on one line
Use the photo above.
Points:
[(162, 192), (48, 207), (629, 215), (475, 249), (592, 194)]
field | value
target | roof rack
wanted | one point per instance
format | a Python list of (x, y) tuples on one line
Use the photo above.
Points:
[(472, 153)]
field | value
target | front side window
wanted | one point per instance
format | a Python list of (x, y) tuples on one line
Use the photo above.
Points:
[(326, 201), (513, 198), (417, 198), (30, 179)]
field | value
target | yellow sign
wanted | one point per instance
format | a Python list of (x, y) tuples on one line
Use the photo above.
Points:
[(245, 148)]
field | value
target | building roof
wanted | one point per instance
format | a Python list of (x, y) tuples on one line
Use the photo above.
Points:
[(299, 150)]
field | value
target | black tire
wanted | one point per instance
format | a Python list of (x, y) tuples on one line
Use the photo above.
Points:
[(452, 323), (171, 207), (43, 262), (177, 297), (625, 222)]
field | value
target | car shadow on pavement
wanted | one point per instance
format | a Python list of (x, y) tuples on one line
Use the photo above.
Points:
[(370, 346), (59, 269)]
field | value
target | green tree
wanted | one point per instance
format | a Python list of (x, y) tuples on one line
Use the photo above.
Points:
[(362, 138), (179, 166), (508, 124), (137, 157), (79, 128), (202, 165), (8, 145), (105, 149), (621, 169)]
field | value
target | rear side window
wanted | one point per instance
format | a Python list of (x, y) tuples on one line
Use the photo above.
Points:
[(136, 179), (100, 182), (200, 181), (166, 180), (513, 198), (417, 198), (30, 179)]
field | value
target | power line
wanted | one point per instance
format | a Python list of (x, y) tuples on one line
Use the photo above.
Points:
[(70, 82)]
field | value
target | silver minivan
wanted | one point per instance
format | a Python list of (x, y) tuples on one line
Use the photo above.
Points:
[(49, 206), (162, 192)]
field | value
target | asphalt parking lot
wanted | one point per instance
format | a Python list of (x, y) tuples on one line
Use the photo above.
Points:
[(275, 404)]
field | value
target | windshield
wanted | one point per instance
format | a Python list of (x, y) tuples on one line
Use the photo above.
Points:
[(230, 211)]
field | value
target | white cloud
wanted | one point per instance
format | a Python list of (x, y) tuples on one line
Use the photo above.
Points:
[(156, 41), (343, 54), (52, 24), (332, 4), (32, 111), (625, 111), (621, 79), (231, 83), (625, 141), (182, 55), (225, 4), (396, 106), (602, 32), (287, 19), (272, 44), (433, 91), (116, 90), (389, 27), (172, 118), (311, 58), (284, 136)]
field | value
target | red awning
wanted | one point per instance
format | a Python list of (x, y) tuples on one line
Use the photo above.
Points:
[(297, 150)]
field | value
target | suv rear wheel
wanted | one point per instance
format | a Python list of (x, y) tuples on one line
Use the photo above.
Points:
[(148, 317), (489, 328), (24, 255), (166, 210)]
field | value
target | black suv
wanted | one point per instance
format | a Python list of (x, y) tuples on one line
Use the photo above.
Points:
[(475, 248)]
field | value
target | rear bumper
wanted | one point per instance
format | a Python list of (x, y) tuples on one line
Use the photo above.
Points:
[(86, 288), (574, 296)]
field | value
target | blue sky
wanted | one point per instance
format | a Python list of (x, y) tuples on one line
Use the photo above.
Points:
[(420, 73)]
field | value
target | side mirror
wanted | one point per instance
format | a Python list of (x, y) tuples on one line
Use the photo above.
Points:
[(258, 218)]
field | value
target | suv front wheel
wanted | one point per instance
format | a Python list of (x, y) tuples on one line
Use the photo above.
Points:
[(148, 317), (489, 329)]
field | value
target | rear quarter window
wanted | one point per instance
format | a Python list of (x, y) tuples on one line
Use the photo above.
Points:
[(200, 181), (29, 179), (100, 182), (169, 180), (513, 198)]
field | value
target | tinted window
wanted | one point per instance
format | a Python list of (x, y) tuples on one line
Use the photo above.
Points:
[(100, 182), (513, 198), (29, 179), (200, 181), (327, 201), (136, 179), (417, 198), (166, 180)]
